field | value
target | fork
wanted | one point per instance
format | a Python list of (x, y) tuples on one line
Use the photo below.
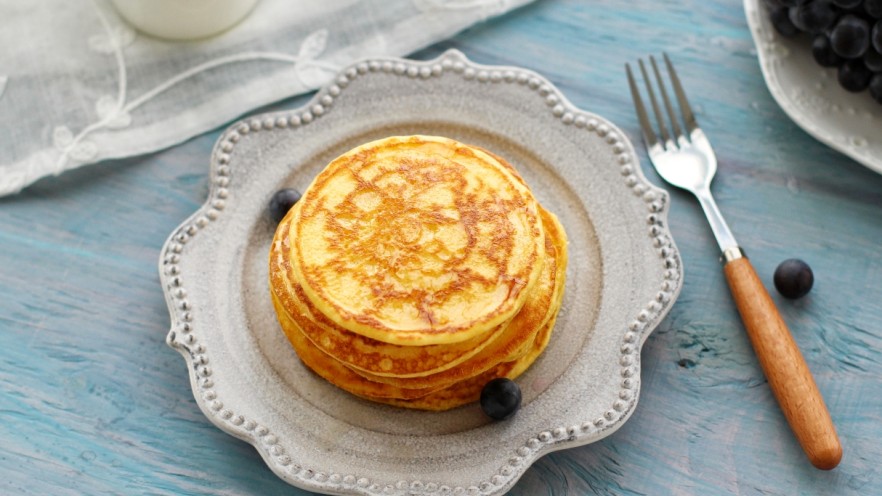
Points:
[(684, 158)]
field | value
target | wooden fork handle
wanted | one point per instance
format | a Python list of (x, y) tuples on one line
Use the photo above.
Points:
[(784, 367)]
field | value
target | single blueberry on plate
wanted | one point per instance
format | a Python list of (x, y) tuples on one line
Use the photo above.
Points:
[(281, 202), (500, 398), (794, 278)]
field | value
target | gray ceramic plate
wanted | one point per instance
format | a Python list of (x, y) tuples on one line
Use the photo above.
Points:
[(623, 276)]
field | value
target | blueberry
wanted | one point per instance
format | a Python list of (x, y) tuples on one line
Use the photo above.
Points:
[(847, 4), (794, 278), (873, 60), (782, 23), (794, 14), (876, 36), (823, 52), (281, 202), (873, 8), (850, 36), (500, 398), (854, 76), (876, 87), (816, 16)]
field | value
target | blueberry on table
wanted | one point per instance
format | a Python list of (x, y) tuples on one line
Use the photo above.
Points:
[(854, 76), (823, 52), (500, 398), (850, 36), (794, 278), (281, 202)]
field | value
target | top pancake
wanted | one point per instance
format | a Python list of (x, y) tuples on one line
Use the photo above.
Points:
[(417, 240)]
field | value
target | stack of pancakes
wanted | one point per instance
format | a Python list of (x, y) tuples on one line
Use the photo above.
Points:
[(415, 269)]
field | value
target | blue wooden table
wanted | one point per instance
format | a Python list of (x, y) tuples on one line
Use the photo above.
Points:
[(92, 401)]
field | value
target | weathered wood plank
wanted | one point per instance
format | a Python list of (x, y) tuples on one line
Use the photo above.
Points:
[(93, 402)]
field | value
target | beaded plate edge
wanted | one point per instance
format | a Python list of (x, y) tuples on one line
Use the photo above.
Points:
[(183, 335)]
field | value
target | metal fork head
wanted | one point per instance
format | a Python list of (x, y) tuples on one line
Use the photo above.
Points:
[(683, 157)]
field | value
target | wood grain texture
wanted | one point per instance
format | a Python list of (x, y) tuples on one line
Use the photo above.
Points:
[(785, 369), (94, 402)]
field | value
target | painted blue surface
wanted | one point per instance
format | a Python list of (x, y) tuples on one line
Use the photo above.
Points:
[(94, 402)]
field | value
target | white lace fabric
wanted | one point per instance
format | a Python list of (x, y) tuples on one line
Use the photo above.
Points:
[(90, 88)]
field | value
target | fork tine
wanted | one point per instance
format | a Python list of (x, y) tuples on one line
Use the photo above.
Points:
[(675, 125), (648, 134), (685, 109), (658, 115)]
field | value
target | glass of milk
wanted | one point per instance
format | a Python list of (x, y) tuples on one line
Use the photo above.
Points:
[(183, 19)]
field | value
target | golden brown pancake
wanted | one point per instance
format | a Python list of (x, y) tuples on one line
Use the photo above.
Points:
[(437, 399), (335, 372), (417, 240), (518, 337), (363, 354), (469, 390), (416, 269)]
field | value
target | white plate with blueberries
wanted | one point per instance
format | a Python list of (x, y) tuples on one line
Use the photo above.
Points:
[(624, 274), (810, 53)]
